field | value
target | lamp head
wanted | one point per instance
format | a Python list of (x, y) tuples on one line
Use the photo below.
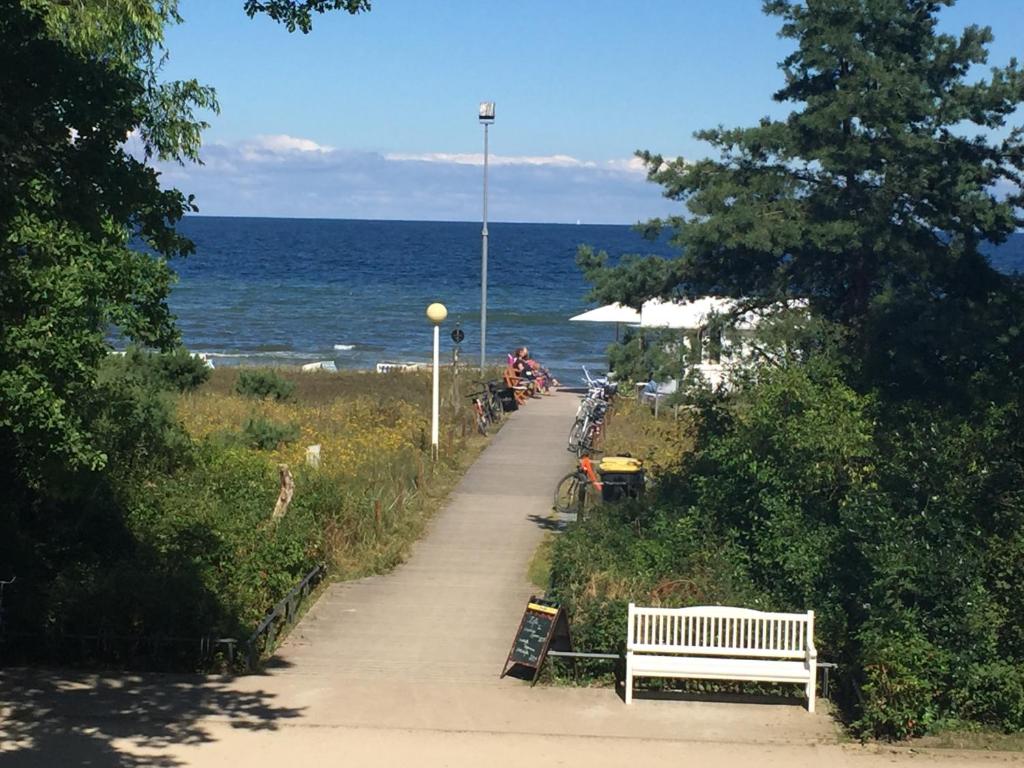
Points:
[(436, 313), (486, 111)]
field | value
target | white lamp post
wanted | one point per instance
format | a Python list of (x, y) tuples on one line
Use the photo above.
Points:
[(486, 118), (436, 313)]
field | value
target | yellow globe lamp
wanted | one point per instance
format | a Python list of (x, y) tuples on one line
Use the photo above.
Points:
[(437, 312)]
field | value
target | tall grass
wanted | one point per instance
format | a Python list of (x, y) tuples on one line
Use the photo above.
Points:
[(177, 540)]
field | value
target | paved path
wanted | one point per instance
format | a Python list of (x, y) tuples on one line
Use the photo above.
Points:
[(403, 670), (449, 613)]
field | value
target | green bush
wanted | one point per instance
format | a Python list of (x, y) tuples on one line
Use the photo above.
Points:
[(905, 677), (264, 385), (901, 525), (991, 693), (266, 435), (180, 370), (175, 371)]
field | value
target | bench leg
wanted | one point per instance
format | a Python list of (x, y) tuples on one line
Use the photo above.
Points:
[(810, 696), (629, 684)]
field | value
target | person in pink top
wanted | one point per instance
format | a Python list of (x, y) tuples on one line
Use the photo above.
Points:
[(531, 370)]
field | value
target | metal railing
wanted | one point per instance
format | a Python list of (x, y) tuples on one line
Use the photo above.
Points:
[(283, 614), (114, 645)]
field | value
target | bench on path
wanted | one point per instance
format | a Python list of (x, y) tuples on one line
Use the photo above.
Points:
[(721, 643), (515, 383)]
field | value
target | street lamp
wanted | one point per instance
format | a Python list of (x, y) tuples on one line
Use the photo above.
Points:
[(436, 313), (486, 118)]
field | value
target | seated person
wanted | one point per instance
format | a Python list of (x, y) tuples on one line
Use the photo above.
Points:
[(531, 370)]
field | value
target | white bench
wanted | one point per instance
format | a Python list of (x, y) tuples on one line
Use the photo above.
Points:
[(720, 643)]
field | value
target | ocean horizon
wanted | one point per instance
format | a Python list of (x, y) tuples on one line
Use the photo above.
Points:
[(290, 291)]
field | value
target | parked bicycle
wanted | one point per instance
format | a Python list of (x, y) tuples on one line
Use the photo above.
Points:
[(612, 479), (571, 491), (487, 408), (590, 416)]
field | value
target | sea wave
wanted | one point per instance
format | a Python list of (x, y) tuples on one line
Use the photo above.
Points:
[(344, 347), (290, 354)]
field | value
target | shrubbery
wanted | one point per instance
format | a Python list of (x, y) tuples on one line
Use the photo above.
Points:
[(266, 435), (901, 526), (173, 539), (263, 384)]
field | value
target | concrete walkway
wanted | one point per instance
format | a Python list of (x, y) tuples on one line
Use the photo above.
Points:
[(449, 613), (403, 670)]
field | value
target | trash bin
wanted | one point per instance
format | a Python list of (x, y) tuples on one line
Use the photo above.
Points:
[(622, 477), (508, 399)]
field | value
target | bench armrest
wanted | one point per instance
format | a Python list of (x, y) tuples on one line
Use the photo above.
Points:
[(812, 653)]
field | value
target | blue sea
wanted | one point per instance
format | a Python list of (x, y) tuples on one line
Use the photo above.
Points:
[(293, 291)]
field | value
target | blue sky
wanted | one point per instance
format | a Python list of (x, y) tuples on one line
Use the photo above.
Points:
[(373, 116)]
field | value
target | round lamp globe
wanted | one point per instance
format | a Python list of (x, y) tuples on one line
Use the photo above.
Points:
[(436, 313)]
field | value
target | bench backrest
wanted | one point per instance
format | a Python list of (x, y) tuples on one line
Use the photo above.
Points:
[(719, 631)]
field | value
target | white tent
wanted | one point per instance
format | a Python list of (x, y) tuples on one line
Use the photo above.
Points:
[(609, 313)]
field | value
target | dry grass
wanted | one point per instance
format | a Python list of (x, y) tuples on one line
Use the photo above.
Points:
[(661, 442), (374, 436)]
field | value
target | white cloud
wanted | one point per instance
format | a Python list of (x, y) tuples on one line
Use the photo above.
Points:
[(558, 161), (282, 142), (281, 175), (630, 165)]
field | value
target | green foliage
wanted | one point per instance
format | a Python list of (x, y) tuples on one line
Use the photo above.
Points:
[(263, 384), (109, 507), (903, 673), (870, 467), (176, 371), (68, 209), (174, 537), (266, 435), (901, 526), (181, 370), (871, 200), (74, 199), (298, 14), (650, 354)]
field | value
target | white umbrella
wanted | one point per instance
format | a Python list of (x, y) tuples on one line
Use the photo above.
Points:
[(609, 313)]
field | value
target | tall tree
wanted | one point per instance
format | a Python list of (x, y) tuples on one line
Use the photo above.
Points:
[(872, 199), (82, 107)]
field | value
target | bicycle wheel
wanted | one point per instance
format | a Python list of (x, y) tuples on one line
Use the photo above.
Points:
[(494, 409), (571, 493), (585, 439), (481, 417), (576, 433)]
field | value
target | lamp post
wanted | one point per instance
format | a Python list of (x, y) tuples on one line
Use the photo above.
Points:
[(436, 313), (486, 118)]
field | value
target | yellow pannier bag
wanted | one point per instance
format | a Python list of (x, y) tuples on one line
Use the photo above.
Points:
[(620, 464)]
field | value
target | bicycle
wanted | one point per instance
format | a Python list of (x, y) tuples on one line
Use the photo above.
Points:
[(487, 408), (591, 414), (480, 417), (571, 491)]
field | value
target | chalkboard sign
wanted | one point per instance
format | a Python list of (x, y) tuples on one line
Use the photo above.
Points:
[(544, 626)]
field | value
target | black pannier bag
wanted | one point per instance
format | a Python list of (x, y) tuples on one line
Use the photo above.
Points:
[(508, 399)]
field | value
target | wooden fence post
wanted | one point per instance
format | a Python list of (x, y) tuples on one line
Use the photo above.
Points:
[(284, 497)]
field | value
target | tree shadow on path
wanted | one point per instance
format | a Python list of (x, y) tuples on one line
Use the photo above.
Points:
[(58, 718)]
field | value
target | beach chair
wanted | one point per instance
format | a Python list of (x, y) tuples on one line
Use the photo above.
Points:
[(517, 385)]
